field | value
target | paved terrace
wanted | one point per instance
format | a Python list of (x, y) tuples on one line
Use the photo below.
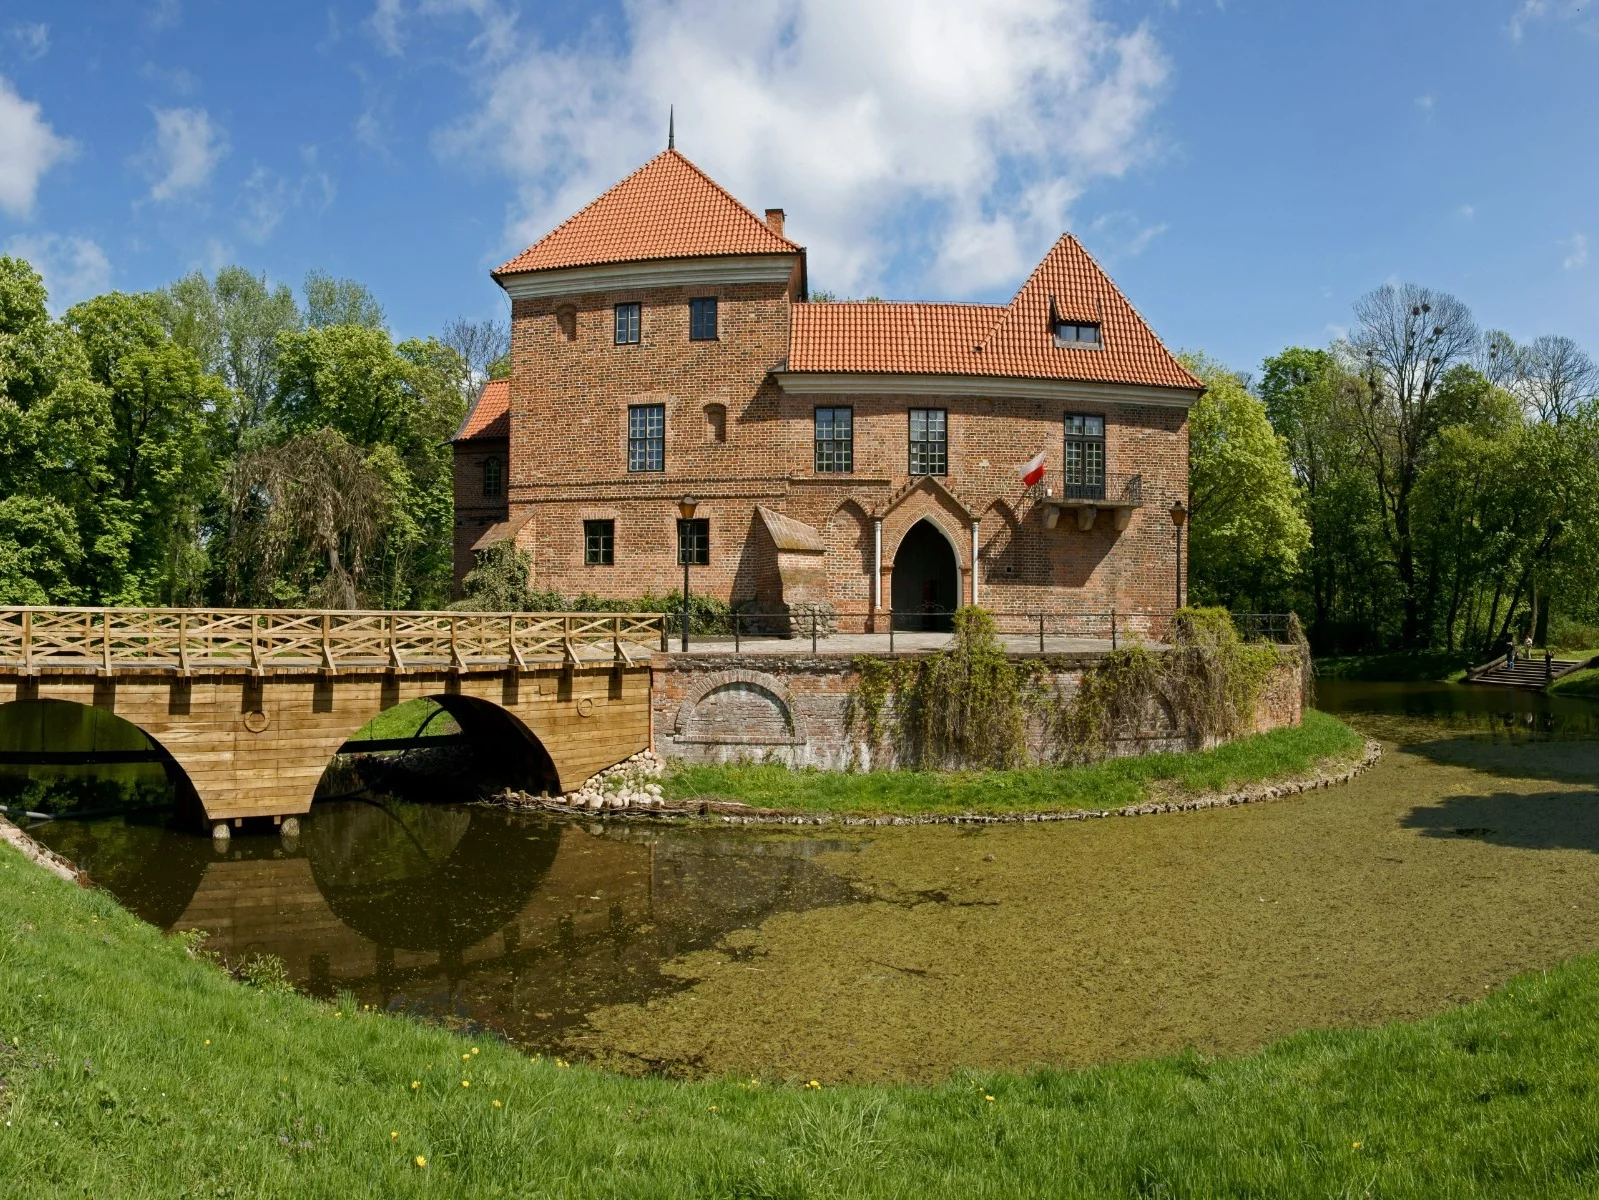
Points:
[(901, 643)]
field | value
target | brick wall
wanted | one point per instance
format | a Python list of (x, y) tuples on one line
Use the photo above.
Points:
[(734, 440), (474, 512), (794, 709)]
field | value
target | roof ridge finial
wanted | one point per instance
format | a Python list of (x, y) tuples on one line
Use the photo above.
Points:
[(671, 127)]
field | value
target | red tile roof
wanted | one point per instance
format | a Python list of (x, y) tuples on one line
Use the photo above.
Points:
[(668, 208), (1015, 340), (490, 414)]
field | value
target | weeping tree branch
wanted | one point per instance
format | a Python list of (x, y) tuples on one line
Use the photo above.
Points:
[(308, 511)]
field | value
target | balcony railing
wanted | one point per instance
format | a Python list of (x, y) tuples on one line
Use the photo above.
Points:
[(1126, 489)]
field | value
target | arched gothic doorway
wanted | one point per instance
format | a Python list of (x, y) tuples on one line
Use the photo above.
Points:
[(926, 584)]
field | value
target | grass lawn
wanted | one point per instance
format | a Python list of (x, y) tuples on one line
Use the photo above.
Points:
[(407, 720), (1109, 784), (130, 1068), (1583, 683)]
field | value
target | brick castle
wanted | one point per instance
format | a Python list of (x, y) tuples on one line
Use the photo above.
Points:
[(850, 458)]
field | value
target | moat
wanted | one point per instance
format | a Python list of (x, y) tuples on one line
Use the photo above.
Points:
[(1468, 854)]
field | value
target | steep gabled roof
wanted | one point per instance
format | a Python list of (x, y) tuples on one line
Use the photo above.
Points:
[(668, 208), (1022, 340), (490, 414), (1015, 340)]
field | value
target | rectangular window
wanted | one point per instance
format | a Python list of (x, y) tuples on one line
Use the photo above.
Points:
[(1084, 473), (1077, 333), (702, 319), (694, 542), (646, 437), (491, 478), (599, 543), (929, 441), (835, 440), (627, 319)]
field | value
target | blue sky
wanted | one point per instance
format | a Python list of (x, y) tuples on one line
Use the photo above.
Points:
[(1244, 169)]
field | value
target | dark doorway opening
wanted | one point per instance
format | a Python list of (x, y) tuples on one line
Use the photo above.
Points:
[(926, 587)]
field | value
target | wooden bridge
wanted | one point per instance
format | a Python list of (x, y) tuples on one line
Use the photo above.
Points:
[(252, 704)]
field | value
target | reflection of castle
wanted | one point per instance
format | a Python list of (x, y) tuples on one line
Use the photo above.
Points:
[(490, 918)]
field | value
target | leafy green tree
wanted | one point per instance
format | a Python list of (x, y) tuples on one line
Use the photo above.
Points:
[(330, 301), (231, 325), (1248, 532), (144, 540)]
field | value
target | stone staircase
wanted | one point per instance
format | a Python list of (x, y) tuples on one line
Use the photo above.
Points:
[(1530, 674)]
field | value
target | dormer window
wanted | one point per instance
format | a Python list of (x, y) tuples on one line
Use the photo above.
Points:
[(1081, 334)]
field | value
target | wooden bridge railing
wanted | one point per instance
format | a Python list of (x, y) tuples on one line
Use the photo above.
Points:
[(195, 639)]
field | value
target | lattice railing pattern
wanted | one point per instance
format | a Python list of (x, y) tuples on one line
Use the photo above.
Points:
[(192, 639)]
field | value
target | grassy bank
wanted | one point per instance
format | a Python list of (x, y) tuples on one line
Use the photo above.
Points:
[(1282, 752), (132, 1069)]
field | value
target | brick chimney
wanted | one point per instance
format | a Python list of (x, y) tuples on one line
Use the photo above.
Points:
[(774, 220)]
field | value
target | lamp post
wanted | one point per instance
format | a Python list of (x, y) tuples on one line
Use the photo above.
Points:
[(685, 551), (1179, 516)]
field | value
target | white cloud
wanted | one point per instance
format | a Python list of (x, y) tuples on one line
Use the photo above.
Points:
[(1116, 235), (1425, 102), (188, 145), (1529, 12), (1577, 257), (1466, 212), (266, 197), (28, 149), (33, 37), (74, 268), (938, 142)]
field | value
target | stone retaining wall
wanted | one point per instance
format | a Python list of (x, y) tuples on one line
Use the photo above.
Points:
[(794, 709)]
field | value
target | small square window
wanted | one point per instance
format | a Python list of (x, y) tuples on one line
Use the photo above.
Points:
[(694, 542), (702, 319), (1083, 334), (599, 543), (646, 437), (627, 324)]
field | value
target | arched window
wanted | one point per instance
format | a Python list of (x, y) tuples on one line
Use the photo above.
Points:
[(492, 481)]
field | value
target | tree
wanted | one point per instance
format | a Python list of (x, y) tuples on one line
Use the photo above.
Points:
[(1409, 337), (307, 515), (1248, 532), (231, 325), (330, 301), (481, 345), (399, 405), (1554, 377)]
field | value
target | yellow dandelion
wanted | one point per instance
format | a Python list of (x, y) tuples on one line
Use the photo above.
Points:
[(1357, 1145), (715, 1109), (415, 1083), (474, 1049), (496, 1104), (421, 1161), (466, 1083), (465, 1057), (207, 1041), (990, 1099), (394, 1135), (814, 1084)]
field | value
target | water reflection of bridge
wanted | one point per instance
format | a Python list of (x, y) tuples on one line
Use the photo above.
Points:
[(469, 913)]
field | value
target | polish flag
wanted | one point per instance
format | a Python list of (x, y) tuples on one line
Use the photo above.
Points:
[(1033, 471)]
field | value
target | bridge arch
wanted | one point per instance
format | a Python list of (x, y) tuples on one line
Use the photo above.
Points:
[(493, 728), (92, 755)]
